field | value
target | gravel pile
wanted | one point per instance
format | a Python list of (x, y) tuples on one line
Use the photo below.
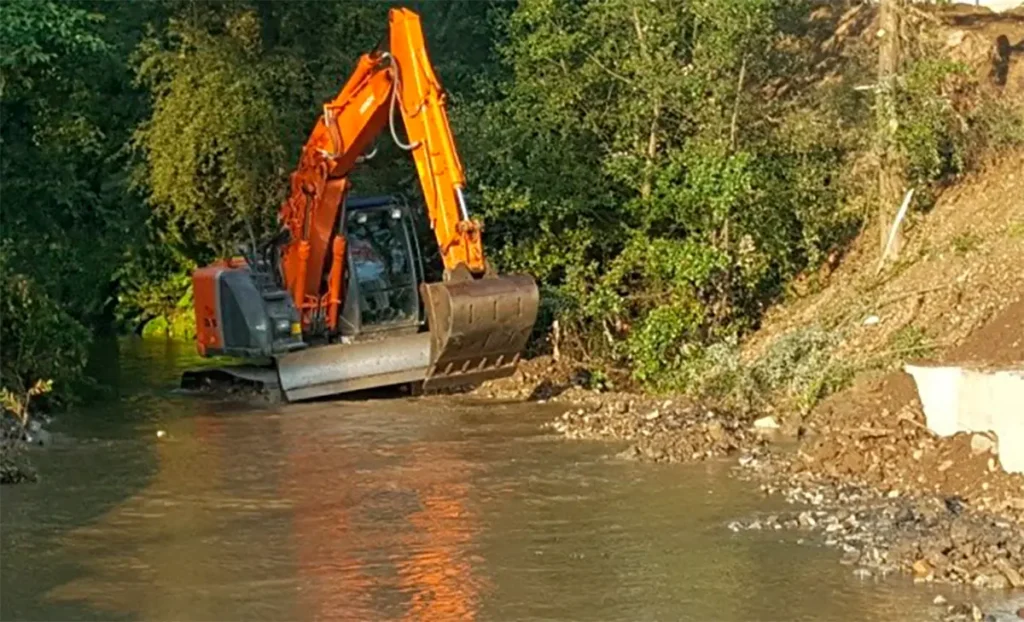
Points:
[(658, 431)]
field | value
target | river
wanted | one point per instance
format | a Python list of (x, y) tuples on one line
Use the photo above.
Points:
[(384, 509)]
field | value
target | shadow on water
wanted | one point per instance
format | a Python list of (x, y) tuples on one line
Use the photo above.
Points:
[(104, 452)]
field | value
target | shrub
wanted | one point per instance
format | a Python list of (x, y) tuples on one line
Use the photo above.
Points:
[(39, 340)]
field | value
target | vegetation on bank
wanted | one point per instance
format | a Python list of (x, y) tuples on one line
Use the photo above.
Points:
[(665, 169)]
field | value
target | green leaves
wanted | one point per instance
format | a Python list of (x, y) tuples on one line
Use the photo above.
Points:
[(39, 339), (36, 34), (638, 165), (213, 143)]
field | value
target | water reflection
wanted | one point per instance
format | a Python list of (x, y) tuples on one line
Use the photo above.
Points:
[(381, 531)]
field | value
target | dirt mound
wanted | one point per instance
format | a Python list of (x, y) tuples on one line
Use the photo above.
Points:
[(1000, 342), (875, 431)]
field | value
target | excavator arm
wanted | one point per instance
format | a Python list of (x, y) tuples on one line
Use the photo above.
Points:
[(384, 85)]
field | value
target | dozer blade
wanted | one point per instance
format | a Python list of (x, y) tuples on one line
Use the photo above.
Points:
[(478, 327), (344, 367)]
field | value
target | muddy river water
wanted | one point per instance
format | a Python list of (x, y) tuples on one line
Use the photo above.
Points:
[(388, 508)]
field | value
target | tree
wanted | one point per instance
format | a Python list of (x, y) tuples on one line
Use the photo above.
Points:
[(890, 177)]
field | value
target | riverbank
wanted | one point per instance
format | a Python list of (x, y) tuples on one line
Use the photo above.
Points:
[(862, 470), (15, 466)]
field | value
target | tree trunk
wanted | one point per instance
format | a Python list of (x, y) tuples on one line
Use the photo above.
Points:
[(890, 177), (652, 137)]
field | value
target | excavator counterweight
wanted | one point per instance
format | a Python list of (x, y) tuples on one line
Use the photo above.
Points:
[(338, 300)]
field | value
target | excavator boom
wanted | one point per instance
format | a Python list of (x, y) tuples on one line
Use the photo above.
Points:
[(477, 323)]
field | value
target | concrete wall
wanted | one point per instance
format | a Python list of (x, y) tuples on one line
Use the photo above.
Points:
[(957, 399)]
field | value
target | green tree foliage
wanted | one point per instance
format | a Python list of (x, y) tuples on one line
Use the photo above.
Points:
[(40, 340), (212, 142), (640, 166), (66, 215)]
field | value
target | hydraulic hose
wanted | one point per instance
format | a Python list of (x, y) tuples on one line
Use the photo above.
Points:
[(394, 99)]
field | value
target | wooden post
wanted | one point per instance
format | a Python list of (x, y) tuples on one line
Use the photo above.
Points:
[(890, 178)]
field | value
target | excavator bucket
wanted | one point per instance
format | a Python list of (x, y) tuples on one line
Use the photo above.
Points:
[(478, 327)]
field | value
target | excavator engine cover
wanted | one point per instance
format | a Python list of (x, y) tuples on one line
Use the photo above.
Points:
[(478, 327)]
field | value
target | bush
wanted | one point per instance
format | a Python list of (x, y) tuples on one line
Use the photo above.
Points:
[(949, 121), (39, 340), (801, 368)]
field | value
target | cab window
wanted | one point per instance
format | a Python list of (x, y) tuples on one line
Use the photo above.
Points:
[(380, 259)]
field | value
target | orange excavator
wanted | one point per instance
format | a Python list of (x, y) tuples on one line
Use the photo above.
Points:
[(337, 301)]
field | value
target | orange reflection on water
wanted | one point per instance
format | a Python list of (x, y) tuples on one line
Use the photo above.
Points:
[(379, 534), (439, 574)]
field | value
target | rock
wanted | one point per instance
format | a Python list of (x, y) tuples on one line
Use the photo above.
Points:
[(922, 568), (715, 432), (872, 320), (997, 582), (955, 505), (939, 600), (945, 465), (654, 414), (39, 437), (850, 558), (766, 423), (959, 533), (1011, 574), (982, 444), (1020, 613), (982, 581), (806, 520), (862, 573)]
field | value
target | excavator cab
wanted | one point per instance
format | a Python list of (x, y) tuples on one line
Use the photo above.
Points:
[(395, 327), (385, 268)]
